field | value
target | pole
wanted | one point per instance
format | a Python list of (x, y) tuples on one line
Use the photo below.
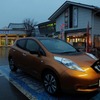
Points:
[(87, 42), (62, 31)]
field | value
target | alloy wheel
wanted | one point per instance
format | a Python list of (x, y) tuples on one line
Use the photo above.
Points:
[(50, 83)]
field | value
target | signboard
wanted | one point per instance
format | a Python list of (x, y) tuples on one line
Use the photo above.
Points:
[(75, 17), (62, 31)]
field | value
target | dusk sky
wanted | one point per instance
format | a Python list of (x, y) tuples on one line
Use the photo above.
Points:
[(15, 11)]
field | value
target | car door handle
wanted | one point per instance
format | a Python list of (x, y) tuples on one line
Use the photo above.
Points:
[(24, 54)]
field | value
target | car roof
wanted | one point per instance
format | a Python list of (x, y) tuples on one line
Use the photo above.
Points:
[(43, 38), (39, 38)]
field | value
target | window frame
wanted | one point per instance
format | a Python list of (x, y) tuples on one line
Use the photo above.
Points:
[(39, 47), (17, 43)]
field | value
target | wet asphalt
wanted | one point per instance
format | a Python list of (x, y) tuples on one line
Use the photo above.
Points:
[(9, 92)]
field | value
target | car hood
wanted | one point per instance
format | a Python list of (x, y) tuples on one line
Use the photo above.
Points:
[(81, 59)]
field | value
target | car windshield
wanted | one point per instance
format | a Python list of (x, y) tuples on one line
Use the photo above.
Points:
[(57, 46)]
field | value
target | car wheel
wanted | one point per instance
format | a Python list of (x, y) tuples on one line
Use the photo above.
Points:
[(12, 65), (50, 83)]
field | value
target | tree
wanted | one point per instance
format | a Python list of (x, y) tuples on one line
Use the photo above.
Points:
[(29, 27)]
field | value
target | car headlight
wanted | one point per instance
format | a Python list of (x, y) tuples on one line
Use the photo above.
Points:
[(92, 56), (68, 63)]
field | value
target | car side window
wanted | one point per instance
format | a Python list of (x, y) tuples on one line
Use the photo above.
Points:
[(32, 46), (21, 43)]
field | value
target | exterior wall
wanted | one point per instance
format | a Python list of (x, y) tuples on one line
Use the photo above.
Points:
[(96, 31), (59, 22), (8, 40), (84, 16), (96, 25), (76, 19), (45, 28), (79, 21), (8, 37)]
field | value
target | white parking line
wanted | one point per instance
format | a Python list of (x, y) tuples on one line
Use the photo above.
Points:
[(18, 86)]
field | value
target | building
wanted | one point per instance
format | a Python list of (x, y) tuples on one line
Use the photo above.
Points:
[(10, 34), (14, 31), (73, 20), (47, 28)]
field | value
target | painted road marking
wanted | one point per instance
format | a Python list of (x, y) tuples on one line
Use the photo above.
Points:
[(30, 87)]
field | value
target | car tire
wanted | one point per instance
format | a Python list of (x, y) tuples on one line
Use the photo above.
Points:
[(12, 65), (50, 82)]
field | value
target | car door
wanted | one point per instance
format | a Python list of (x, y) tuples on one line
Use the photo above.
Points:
[(18, 52), (32, 61)]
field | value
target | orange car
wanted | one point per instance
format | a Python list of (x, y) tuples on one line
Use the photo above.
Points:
[(59, 65)]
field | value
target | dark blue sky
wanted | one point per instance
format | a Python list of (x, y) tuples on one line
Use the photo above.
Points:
[(15, 11)]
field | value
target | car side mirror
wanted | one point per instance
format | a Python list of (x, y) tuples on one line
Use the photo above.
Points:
[(41, 52)]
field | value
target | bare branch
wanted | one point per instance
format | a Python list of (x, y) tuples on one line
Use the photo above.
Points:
[(29, 26)]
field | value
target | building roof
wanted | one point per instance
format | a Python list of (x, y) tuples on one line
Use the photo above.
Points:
[(16, 26), (68, 3), (46, 23)]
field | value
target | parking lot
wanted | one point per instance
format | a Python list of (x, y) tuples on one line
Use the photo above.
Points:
[(24, 87)]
